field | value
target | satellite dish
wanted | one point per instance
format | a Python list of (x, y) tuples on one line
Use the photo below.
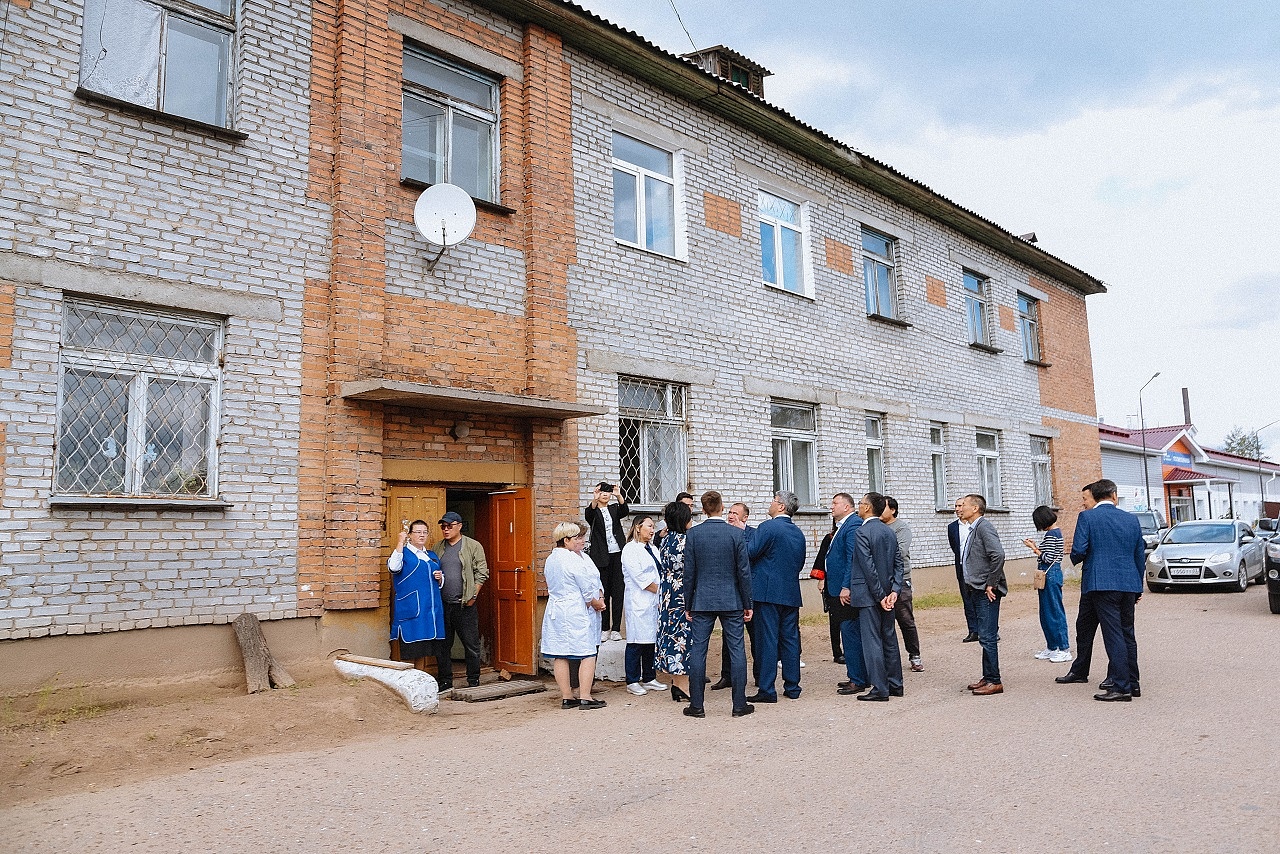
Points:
[(445, 215)]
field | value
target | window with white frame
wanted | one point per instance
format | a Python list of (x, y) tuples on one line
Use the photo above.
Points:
[(877, 274), (781, 243), (644, 195), (653, 463), (175, 56), (875, 452), (938, 464), (988, 448), (1041, 470), (138, 403), (1029, 326), (975, 308), (449, 120), (795, 440)]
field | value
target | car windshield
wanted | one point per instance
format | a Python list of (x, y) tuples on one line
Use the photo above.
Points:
[(1147, 521), (1189, 532)]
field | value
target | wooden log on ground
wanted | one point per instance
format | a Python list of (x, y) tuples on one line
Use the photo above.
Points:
[(376, 662), (261, 670)]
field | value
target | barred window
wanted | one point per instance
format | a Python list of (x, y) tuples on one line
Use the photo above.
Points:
[(875, 452), (988, 449), (653, 463), (938, 464), (795, 440), (137, 414), (1041, 466)]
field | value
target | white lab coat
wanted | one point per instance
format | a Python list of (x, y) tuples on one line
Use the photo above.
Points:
[(639, 606), (570, 626)]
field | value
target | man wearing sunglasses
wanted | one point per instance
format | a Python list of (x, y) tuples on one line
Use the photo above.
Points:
[(465, 571)]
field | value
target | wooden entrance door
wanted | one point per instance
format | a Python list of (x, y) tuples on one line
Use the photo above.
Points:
[(511, 577), (404, 504)]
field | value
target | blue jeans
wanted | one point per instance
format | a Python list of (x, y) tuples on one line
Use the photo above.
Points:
[(1053, 616), (988, 632), (639, 662)]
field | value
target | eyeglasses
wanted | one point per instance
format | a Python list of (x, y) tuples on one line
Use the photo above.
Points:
[(449, 524)]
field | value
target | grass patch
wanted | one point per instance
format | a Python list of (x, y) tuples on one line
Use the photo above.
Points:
[(935, 600), (819, 619)]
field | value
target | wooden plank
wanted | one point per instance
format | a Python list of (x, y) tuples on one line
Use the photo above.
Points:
[(376, 662), (496, 691)]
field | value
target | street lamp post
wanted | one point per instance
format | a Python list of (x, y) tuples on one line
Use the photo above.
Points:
[(1262, 490), (1142, 429)]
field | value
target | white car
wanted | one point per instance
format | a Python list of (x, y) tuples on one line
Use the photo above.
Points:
[(1215, 552)]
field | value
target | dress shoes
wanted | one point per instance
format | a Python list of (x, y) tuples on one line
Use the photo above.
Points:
[(592, 704), (720, 684), (745, 710), (981, 683), (839, 659), (851, 688), (694, 712), (790, 696), (758, 697), (1113, 697), (571, 703), (1070, 679), (989, 688), (895, 692), (972, 637), (874, 697), (1107, 685)]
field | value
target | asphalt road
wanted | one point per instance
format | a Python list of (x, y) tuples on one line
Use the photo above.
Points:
[(1191, 766)]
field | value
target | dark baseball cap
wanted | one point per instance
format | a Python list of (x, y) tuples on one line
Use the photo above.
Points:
[(450, 517)]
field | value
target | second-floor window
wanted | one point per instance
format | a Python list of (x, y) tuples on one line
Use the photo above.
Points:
[(1029, 327), (795, 440), (988, 448), (1041, 468), (975, 308), (653, 462), (877, 274), (644, 195), (781, 243), (175, 57), (875, 452), (450, 125)]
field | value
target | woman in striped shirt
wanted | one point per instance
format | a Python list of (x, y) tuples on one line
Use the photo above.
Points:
[(1053, 617)]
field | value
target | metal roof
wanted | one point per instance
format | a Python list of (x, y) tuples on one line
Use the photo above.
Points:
[(631, 52)]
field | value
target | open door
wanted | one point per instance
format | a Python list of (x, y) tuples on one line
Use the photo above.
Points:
[(511, 576)]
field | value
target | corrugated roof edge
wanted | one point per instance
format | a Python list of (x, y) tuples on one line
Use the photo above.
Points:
[(632, 52)]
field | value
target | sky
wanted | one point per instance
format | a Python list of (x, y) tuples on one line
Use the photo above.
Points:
[(1140, 141)]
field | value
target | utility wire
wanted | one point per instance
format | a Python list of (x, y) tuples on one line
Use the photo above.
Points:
[(682, 26)]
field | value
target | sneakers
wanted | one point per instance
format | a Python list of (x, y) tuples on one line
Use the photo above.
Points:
[(654, 685), (1044, 654), (1060, 656), (615, 636), (636, 688), (917, 666)]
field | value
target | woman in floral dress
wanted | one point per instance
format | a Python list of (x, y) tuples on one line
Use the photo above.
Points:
[(673, 621)]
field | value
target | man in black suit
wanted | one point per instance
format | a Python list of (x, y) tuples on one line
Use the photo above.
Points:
[(875, 580), (717, 586), (737, 516), (957, 533)]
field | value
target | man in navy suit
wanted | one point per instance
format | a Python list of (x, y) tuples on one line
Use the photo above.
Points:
[(777, 552), (957, 534), (737, 516), (838, 566), (875, 580), (1108, 541), (717, 586)]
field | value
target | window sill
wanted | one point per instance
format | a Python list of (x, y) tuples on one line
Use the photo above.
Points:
[(780, 289), (1038, 363), (986, 348), (159, 115), (999, 511), (655, 253), (891, 321), (108, 502), (481, 204)]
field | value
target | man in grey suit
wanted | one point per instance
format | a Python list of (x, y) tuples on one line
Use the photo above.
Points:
[(875, 580), (717, 585), (982, 559)]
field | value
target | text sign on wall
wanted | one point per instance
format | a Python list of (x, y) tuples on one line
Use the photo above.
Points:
[(1173, 458)]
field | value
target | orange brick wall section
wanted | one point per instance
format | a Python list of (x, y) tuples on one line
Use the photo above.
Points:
[(1077, 460), (935, 291), (7, 290), (1064, 336), (839, 256), (1006, 318), (723, 215)]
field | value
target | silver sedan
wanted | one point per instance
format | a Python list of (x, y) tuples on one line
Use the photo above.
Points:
[(1216, 552)]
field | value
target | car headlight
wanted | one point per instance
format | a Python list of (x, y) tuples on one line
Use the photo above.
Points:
[(1220, 557), (1156, 559), (1273, 550)]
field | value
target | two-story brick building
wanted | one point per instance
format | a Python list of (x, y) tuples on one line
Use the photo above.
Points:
[(231, 372)]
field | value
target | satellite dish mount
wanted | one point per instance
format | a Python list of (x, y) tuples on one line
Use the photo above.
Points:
[(445, 216)]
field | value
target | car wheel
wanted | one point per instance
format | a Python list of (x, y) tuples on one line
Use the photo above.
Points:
[(1242, 580), (1274, 599), (1157, 587)]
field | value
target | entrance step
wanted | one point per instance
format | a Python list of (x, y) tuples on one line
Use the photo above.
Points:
[(496, 691)]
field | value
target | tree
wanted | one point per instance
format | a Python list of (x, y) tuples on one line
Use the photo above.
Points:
[(1241, 442)]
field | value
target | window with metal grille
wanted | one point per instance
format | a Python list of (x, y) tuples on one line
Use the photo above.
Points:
[(449, 125), (938, 464), (175, 56), (877, 274), (1029, 326), (875, 452), (139, 401), (975, 308), (795, 440), (1041, 468), (653, 463), (988, 448)]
